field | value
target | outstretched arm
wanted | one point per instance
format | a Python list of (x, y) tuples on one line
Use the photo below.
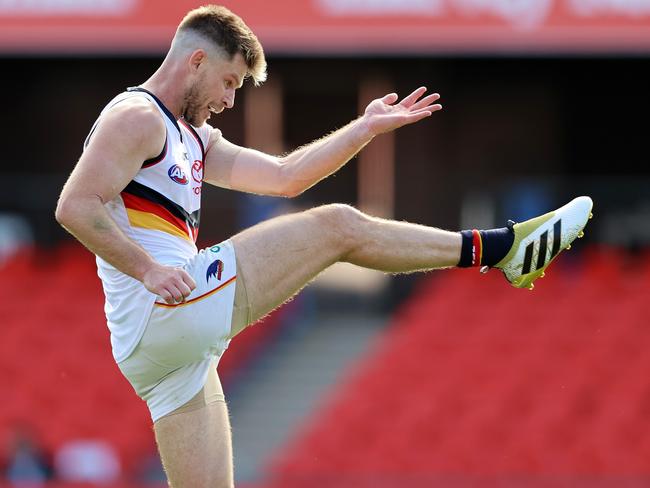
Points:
[(243, 169)]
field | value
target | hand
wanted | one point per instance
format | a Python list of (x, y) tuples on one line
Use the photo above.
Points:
[(173, 285), (383, 114)]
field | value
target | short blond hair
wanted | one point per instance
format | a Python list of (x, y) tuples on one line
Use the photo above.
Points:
[(229, 32)]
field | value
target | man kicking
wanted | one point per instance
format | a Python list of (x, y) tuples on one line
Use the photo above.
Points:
[(134, 198)]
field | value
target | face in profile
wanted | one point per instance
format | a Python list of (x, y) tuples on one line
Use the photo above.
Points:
[(213, 88)]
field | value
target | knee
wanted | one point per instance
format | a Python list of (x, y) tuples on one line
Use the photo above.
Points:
[(212, 482), (218, 477), (344, 221), (222, 482)]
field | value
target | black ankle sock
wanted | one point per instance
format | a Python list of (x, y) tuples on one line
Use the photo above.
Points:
[(496, 244), (485, 247), (467, 251)]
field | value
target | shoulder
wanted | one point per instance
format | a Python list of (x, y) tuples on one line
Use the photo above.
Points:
[(136, 115), (134, 123)]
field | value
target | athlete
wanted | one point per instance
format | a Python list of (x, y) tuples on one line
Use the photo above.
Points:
[(134, 198)]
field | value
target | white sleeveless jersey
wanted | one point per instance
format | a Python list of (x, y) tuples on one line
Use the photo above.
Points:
[(159, 209)]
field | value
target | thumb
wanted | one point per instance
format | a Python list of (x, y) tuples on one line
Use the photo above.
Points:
[(390, 98)]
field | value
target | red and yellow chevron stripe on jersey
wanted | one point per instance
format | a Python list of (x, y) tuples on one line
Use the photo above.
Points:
[(148, 209), (146, 214)]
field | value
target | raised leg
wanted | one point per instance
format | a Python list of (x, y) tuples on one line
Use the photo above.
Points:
[(280, 256)]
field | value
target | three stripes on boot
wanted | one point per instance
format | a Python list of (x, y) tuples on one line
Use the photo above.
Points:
[(543, 244)]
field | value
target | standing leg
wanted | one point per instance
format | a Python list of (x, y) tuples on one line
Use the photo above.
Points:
[(278, 257), (195, 441)]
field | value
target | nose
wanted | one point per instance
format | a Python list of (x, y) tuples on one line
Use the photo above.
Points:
[(229, 98)]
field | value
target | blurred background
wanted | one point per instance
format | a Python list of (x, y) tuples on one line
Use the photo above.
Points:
[(440, 379)]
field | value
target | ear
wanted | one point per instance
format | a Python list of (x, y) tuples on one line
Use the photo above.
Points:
[(197, 58)]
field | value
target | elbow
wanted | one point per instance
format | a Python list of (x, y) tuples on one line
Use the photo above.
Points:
[(291, 186), (64, 213), (292, 190), (291, 193), (61, 213)]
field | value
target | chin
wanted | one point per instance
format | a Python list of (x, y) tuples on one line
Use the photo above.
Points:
[(192, 121)]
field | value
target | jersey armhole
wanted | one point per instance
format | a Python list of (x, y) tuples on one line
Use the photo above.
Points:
[(153, 161)]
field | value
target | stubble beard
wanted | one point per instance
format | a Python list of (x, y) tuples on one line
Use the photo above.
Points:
[(192, 104)]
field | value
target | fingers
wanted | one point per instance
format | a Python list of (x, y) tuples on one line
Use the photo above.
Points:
[(412, 98), (174, 294), (425, 102), (415, 117), (188, 280), (167, 297), (184, 290), (175, 287), (430, 109), (181, 286)]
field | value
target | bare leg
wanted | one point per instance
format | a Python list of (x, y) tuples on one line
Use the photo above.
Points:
[(278, 257), (196, 447)]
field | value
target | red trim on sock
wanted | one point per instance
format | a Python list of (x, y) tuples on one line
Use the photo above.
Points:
[(477, 248)]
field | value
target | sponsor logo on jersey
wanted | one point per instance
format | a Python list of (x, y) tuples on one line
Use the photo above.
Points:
[(215, 249), (215, 269), (197, 171), (177, 175)]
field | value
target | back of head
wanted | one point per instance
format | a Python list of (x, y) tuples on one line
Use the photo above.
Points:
[(227, 32)]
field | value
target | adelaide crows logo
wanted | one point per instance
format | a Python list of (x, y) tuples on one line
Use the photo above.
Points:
[(215, 270)]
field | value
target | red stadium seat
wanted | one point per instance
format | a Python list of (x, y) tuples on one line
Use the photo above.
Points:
[(55, 359), (488, 382)]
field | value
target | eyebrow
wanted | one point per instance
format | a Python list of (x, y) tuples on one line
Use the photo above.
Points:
[(240, 81)]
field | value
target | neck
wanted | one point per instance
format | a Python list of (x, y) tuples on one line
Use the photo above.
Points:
[(167, 88)]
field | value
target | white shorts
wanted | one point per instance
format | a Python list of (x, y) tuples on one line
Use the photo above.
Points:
[(170, 364)]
